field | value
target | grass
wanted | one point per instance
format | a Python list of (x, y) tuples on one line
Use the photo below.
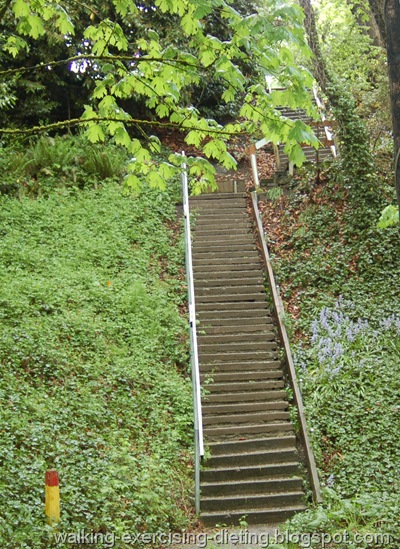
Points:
[(93, 358)]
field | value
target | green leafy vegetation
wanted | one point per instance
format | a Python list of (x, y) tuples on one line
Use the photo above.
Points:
[(93, 355), (41, 166), (389, 217), (93, 350), (142, 68), (340, 281)]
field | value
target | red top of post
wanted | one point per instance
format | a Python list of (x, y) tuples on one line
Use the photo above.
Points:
[(51, 477)]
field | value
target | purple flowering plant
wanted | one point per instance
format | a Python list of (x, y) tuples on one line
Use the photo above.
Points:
[(337, 338)]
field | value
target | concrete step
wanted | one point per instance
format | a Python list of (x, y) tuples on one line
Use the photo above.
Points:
[(220, 197), (211, 232), (252, 444), (245, 407), (245, 366), (235, 338), (227, 235), (229, 299), (214, 209), (259, 375), (253, 501), (206, 313), (296, 115), (223, 218), (250, 418), (218, 242), (249, 346), (206, 246), (228, 218), (245, 386), (239, 253), (269, 471), (206, 321), (204, 281), (248, 251), (233, 431), (238, 356), (222, 205), (236, 261), (205, 225), (202, 290), (228, 274), (259, 396), (233, 315), (247, 330), (257, 486), (253, 516), (226, 271), (212, 237), (257, 457)]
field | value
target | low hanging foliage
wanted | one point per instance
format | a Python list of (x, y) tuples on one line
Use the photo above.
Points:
[(127, 57)]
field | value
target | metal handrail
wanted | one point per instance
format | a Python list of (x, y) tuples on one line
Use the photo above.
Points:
[(328, 133), (194, 356)]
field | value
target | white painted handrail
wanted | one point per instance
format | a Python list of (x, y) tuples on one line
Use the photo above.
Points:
[(194, 356), (328, 133)]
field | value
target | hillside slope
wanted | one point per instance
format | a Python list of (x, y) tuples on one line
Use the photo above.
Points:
[(93, 358)]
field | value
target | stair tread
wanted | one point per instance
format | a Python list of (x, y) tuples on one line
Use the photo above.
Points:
[(273, 451), (253, 417), (239, 407), (257, 510), (212, 358), (255, 481), (251, 468), (249, 331), (277, 424), (250, 396), (254, 496), (239, 374), (242, 512), (246, 363)]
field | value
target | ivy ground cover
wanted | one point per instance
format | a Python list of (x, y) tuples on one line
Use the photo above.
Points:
[(93, 358)]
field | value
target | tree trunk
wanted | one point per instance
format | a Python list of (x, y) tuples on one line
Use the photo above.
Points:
[(392, 20), (320, 71), (371, 27), (376, 7), (357, 163)]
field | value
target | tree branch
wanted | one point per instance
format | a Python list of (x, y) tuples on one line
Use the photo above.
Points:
[(129, 121), (91, 57)]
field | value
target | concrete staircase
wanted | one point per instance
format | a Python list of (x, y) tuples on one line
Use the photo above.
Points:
[(321, 155), (254, 467)]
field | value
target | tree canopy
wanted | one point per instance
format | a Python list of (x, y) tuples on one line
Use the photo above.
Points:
[(154, 54)]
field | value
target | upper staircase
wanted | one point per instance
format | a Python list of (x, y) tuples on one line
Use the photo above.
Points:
[(316, 156), (254, 468)]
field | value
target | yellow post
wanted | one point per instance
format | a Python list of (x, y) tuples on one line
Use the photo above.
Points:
[(52, 499)]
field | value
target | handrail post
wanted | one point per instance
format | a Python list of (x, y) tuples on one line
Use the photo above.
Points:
[(194, 357), (253, 159)]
